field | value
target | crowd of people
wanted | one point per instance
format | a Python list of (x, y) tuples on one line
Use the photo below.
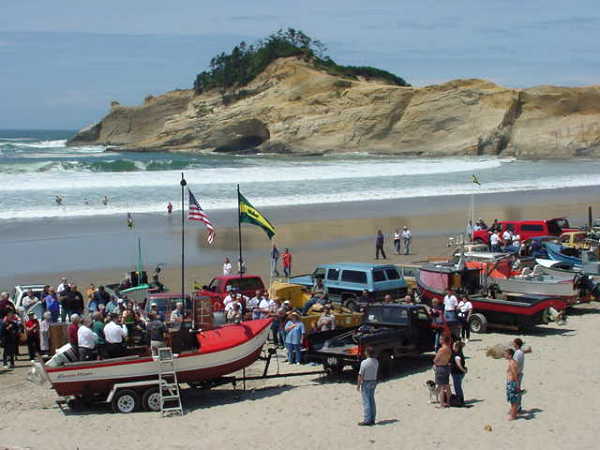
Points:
[(499, 241), (99, 324)]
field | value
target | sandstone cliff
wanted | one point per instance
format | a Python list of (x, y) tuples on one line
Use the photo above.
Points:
[(292, 107)]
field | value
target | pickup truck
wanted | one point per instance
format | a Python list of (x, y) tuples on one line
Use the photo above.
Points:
[(345, 282), (19, 292), (393, 330), (527, 229), (220, 287)]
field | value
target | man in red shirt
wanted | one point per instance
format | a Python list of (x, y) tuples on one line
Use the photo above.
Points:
[(32, 328), (286, 262), (73, 329)]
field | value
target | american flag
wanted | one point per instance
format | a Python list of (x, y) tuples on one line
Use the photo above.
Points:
[(195, 212)]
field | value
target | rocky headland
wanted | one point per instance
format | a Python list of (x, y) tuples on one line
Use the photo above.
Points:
[(294, 107)]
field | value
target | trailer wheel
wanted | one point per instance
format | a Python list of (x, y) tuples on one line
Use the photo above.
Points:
[(478, 323), (151, 399), (125, 401)]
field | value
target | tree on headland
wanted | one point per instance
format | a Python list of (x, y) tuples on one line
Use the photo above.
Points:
[(245, 62)]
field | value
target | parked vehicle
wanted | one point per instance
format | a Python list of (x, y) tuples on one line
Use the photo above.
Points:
[(219, 287), (392, 330), (527, 229), (344, 282), (19, 292)]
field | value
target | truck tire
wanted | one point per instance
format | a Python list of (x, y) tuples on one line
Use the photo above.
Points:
[(350, 303), (125, 401), (151, 399), (478, 323), (386, 361), (333, 366)]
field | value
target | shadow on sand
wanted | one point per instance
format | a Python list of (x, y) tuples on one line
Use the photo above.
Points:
[(529, 414)]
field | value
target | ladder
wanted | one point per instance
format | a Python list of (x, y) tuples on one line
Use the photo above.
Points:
[(170, 400)]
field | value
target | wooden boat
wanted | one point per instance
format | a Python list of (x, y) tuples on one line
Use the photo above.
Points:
[(518, 310), (221, 351)]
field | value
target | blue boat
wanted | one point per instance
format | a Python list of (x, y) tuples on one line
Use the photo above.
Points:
[(564, 254)]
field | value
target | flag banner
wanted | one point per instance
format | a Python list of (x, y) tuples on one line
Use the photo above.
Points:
[(195, 212), (249, 214), (475, 180)]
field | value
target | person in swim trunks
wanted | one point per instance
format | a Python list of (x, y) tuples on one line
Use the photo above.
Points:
[(441, 364), (513, 391)]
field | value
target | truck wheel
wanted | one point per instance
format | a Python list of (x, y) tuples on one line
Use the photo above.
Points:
[(125, 401), (350, 303), (151, 399), (478, 323), (333, 366), (386, 360)]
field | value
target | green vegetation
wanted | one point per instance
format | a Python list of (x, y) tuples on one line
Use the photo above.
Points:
[(245, 62)]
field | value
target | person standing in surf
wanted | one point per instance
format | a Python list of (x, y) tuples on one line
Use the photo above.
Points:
[(130, 223), (169, 208), (105, 200)]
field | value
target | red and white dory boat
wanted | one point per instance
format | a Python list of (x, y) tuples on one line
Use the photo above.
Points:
[(221, 351)]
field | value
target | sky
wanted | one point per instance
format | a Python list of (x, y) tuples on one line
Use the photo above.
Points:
[(63, 61)]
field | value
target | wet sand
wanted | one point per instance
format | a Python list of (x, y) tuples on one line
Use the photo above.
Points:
[(102, 249)]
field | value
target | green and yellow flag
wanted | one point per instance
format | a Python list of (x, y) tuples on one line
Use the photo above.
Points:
[(249, 214)]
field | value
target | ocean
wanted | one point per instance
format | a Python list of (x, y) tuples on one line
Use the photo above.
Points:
[(35, 166)]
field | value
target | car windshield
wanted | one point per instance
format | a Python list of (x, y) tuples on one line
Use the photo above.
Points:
[(246, 284), (383, 314), (166, 305)]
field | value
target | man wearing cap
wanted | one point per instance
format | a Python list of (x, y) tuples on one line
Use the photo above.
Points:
[(32, 329), (114, 334), (157, 332), (294, 334), (98, 329)]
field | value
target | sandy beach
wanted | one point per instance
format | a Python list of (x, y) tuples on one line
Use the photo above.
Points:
[(313, 411)]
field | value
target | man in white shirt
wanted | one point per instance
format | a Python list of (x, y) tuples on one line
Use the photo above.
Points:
[(29, 299), (450, 304), (253, 304), (177, 317), (265, 307), (406, 239), (86, 340), (367, 382), (507, 237), (62, 286), (227, 267), (465, 309), (114, 334), (494, 240)]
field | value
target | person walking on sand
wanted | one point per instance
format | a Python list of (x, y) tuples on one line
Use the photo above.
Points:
[(406, 239), (519, 358), (286, 263), (441, 364), (274, 261), (397, 244), (513, 392), (379, 239), (367, 382), (169, 208)]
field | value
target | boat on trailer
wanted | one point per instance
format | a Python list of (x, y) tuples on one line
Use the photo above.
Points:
[(513, 310), (219, 352)]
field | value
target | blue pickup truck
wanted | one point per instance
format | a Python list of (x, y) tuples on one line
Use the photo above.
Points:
[(345, 282)]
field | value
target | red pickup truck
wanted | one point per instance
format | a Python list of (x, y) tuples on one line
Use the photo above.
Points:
[(220, 286), (527, 229)]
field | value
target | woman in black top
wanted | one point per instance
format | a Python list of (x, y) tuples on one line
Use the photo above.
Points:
[(458, 371)]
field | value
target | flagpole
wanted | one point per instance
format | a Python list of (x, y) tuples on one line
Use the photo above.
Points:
[(239, 231), (183, 183)]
